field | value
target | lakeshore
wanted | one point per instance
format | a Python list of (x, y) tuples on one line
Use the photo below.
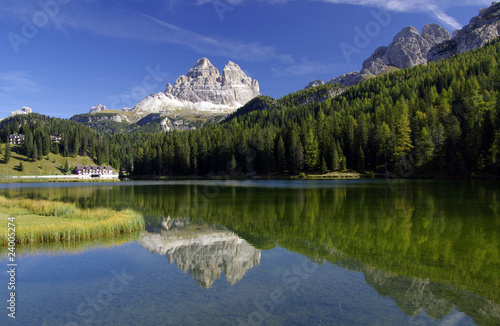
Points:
[(40, 221)]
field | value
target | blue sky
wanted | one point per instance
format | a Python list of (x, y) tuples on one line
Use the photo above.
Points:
[(62, 57)]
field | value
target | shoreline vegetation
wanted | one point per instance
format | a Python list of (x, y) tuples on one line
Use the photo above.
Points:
[(42, 221), (224, 176), (349, 175), (434, 121)]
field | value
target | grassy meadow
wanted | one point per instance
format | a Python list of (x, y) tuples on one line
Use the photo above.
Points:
[(42, 221), (51, 164)]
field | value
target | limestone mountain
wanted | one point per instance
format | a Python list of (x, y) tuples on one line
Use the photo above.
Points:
[(98, 108), (481, 29), (409, 48), (204, 89), (200, 97)]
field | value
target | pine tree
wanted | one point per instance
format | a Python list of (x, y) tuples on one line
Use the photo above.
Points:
[(34, 153), (324, 168), (21, 166), (27, 146), (311, 151), (39, 155), (425, 147), (46, 144), (291, 149), (299, 160), (280, 155), (76, 146), (55, 148), (7, 153), (233, 165), (66, 149), (402, 131), (66, 167), (361, 159), (335, 159), (39, 142)]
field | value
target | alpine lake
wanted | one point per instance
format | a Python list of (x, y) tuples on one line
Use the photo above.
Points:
[(270, 252)]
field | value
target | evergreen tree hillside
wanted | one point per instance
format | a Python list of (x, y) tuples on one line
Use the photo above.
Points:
[(76, 139), (442, 119), (438, 120)]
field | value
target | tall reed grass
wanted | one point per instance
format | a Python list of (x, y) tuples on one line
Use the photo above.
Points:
[(48, 221)]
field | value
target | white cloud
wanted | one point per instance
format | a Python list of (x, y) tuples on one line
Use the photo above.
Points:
[(434, 7), (442, 16), (128, 24), (250, 51)]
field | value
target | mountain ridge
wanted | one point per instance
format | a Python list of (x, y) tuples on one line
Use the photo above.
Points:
[(201, 96), (409, 48), (204, 89)]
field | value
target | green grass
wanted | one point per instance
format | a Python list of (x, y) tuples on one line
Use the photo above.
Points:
[(52, 166), (41, 221)]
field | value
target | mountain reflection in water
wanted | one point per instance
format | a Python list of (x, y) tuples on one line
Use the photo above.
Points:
[(431, 246), (202, 251)]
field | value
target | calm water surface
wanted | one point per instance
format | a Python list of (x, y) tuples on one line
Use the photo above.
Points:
[(373, 252)]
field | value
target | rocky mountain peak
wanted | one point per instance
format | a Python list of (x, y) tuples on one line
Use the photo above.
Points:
[(315, 83), (203, 63), (407, 49), (481, 29), (203, 68), (98, 108), (435, 34), (233, 76), (405, 33), (230, 66), (489, 14), (203, 83), (204, 90)]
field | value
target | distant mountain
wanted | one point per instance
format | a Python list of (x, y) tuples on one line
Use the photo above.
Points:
[(116, 122), (409, 48), (98, 108), (201, 96), (203, 89)]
